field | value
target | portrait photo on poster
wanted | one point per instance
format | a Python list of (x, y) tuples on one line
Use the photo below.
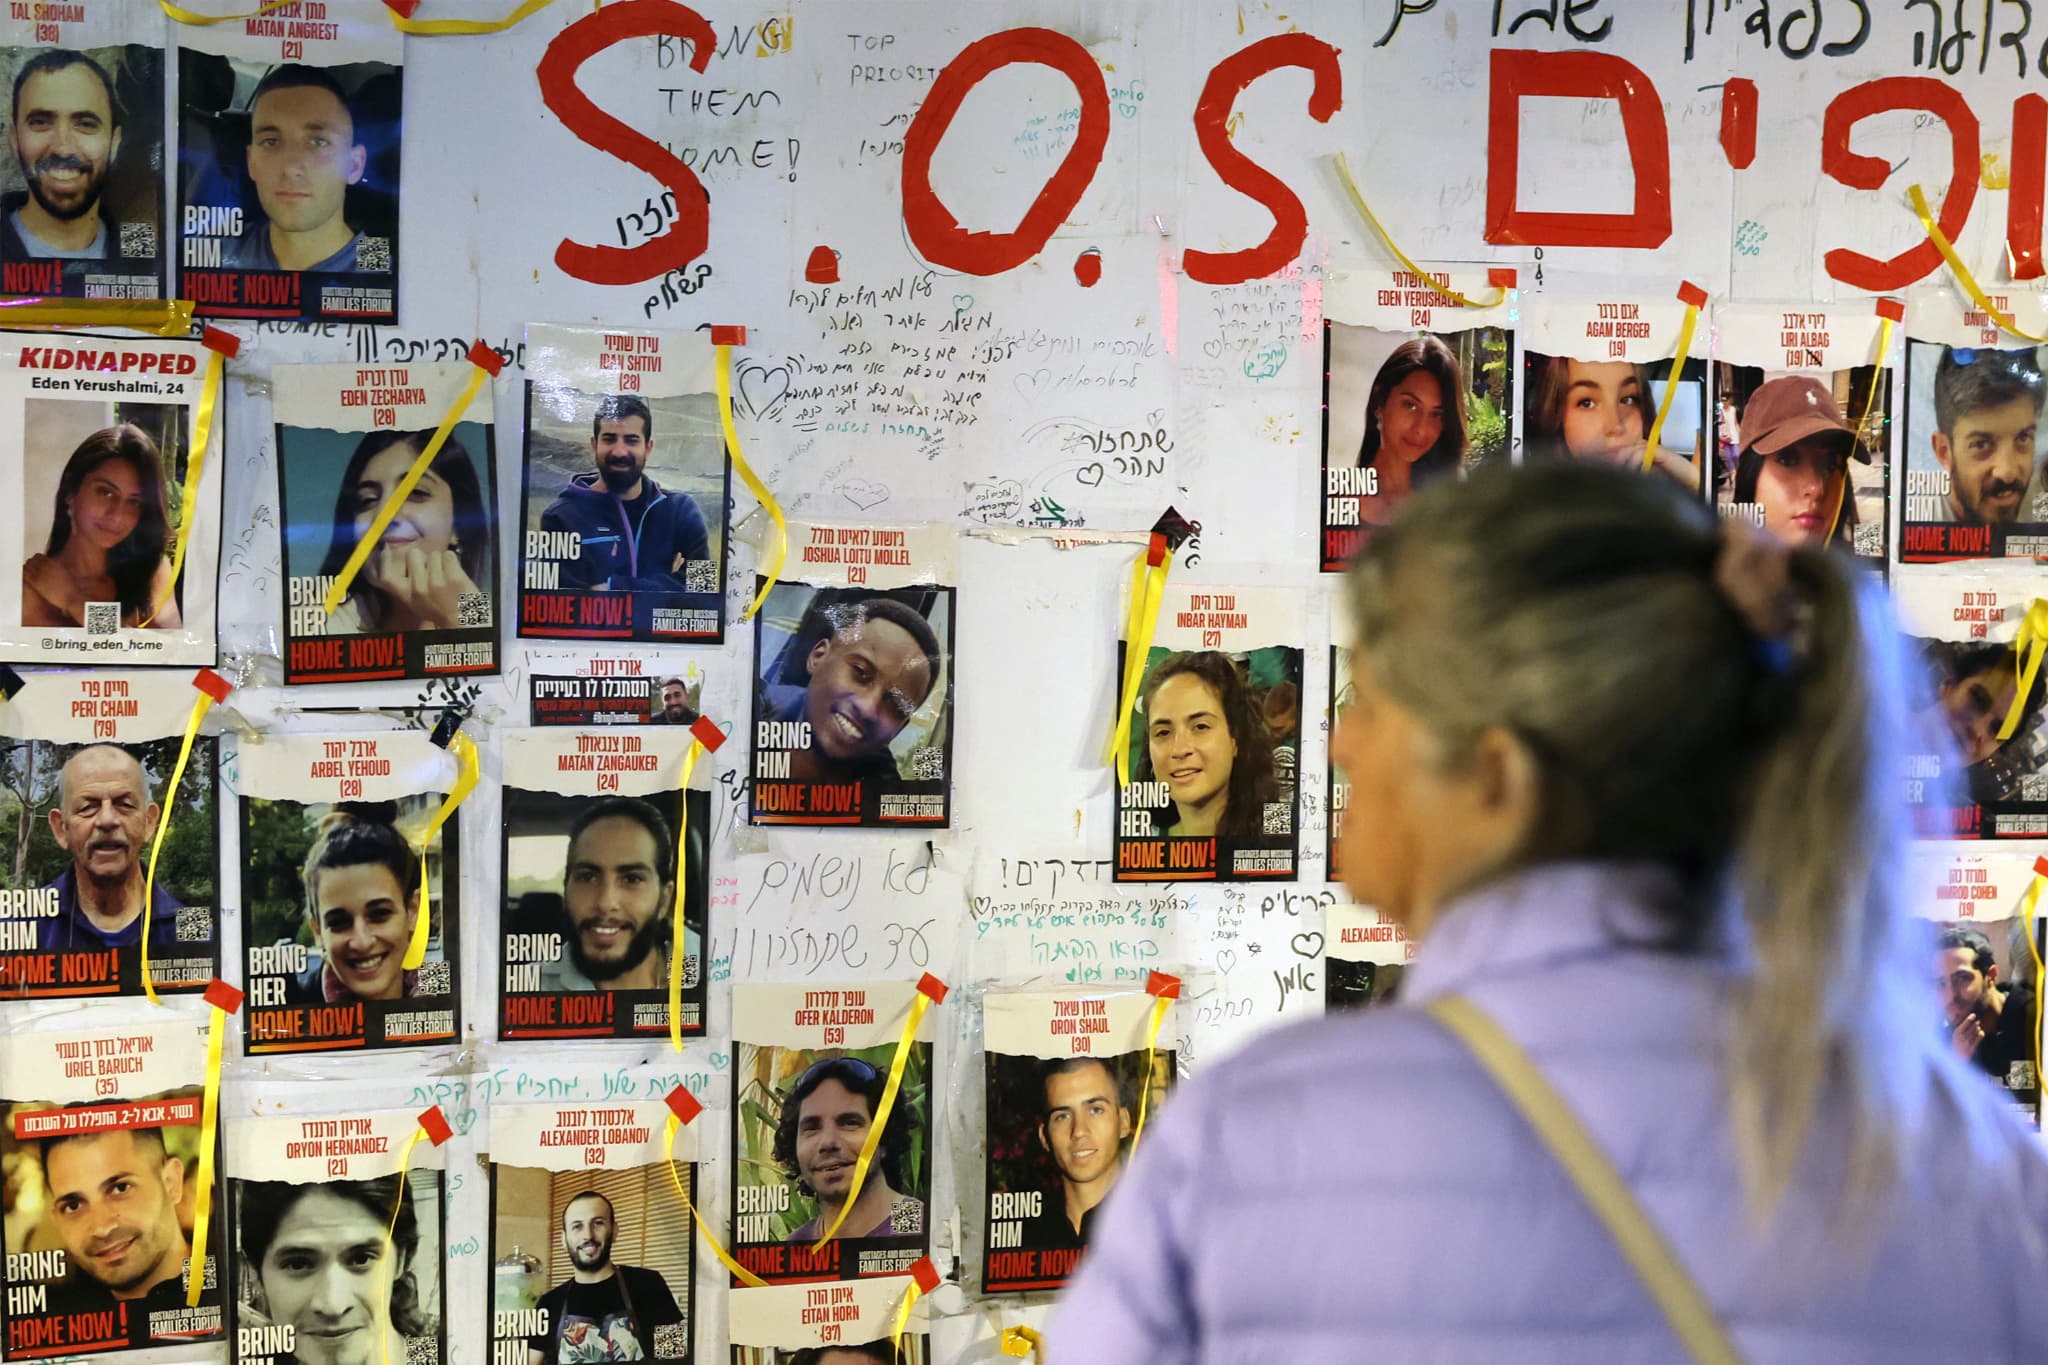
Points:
[(1988, 991), (661, 697), (625, 489), (1602, 410), (99, 1128), (588, 914), (288, 181), (1401, 410), (1805, 456), (1973, 463), (852, 706), (82, 198)]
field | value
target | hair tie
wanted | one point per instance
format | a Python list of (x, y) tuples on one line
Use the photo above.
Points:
[(1753, 571)]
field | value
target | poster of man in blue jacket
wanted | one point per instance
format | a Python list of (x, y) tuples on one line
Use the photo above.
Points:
[(625, 488)]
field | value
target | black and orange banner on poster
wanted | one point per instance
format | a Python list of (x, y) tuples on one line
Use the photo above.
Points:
[(586, 688), (624, 489), (1215, 739), (1066, 1074), (1974, 397), (1595, 370), (595, 839), (99, 1121), (82, 199), (1416, 386), (85, 759), (825, 1324), (802, 1053), (424, 604), (591, 1242), (853, 687), (1962, 780), (319, 1200), (1364, 955), (332, 890), (288, 155)]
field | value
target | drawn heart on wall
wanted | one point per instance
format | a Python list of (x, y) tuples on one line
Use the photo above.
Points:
[(1225, 960), (719, 1061), (1308, 944), (1081, 476), (764, 387), (1031, 381), (962, 302), (863, 495)]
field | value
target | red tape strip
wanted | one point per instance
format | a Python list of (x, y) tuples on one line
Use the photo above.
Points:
[(436, 1124), (486, 359), (212, 684), (1501, 276), (1161, 984), (222, 340), (1155, 551), (223, 997), (402, 8), (1692, 294), (2041, 867), (931, 986), (684, 1105), (728, 336), (708, 735), (926, 1274), (1895, 309)]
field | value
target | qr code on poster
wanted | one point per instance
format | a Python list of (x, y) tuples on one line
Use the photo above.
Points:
[(2034, 787), (422, 1351), (373, 253), (208, 1279), (103, 618), (700, 575), (138, 239), (672, 1342), (473, 610), (1868, 540), (435, 979), (1278, 818), (927, 764), (195, 924)]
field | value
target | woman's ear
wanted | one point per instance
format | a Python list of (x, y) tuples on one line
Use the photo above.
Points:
[(1507, 790)]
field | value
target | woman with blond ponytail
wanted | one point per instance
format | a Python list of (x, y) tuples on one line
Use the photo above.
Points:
[(1659, 1084)]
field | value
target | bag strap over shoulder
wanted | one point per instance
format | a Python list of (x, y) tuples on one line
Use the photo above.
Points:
[(1655, 1263)]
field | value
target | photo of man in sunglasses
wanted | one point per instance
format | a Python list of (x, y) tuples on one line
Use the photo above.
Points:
[(824, 1123)]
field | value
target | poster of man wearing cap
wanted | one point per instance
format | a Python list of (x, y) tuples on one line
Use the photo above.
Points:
[(1803, 454)]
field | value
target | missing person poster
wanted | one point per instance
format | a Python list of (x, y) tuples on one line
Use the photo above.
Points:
[(625, 488), (827, 1324), (1364, 955), (810, 1063), (424, 603), (1065, 1076), (1215, 738), (97, 443), (591, 1245), (853, 693), (595, 841), (1973, 460), (1802, 425), (288, 150), (1963, 780), (333, 885), (81, 199), (332, 1244), (85, 764), (101, 1149), (587, 688), (1594, 372), (1986, 982), (1416, 387)]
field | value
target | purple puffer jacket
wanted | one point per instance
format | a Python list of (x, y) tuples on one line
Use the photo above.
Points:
[(1357, 1190)]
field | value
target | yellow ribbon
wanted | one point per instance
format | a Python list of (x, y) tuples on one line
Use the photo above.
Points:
[(908, 1302), (163, 826), (739, 1272), (1148, 591), (478, 377), (158, 317), (773, 569), (198, 20), (2028, 644), (1685, 331), (1884, 349), (919, 1003), (465, 782), (209, 1121), (391, 1234), (2028, 903), (188, 502), (1961, 271), (451, 28), (1159, 1007), (1021, 1342), (676, 930), (1358, 202)]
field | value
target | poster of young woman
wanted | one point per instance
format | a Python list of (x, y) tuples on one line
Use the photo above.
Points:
[(100, 1130), (98, 446), (424, 604), (333, 1244), (853, 692), (826, 1324), (1416, 387), (1802, 425), (82, 199), (85, 766), (1973, 451), (1215, 739), (1986, 975), (595, 840), (810, 1063), (625, 486), (332, 888), (1364, 954), (591, 1243), (1964, 781), (589, 687), (1066, 1074), (1594, 372), (288, 151)]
